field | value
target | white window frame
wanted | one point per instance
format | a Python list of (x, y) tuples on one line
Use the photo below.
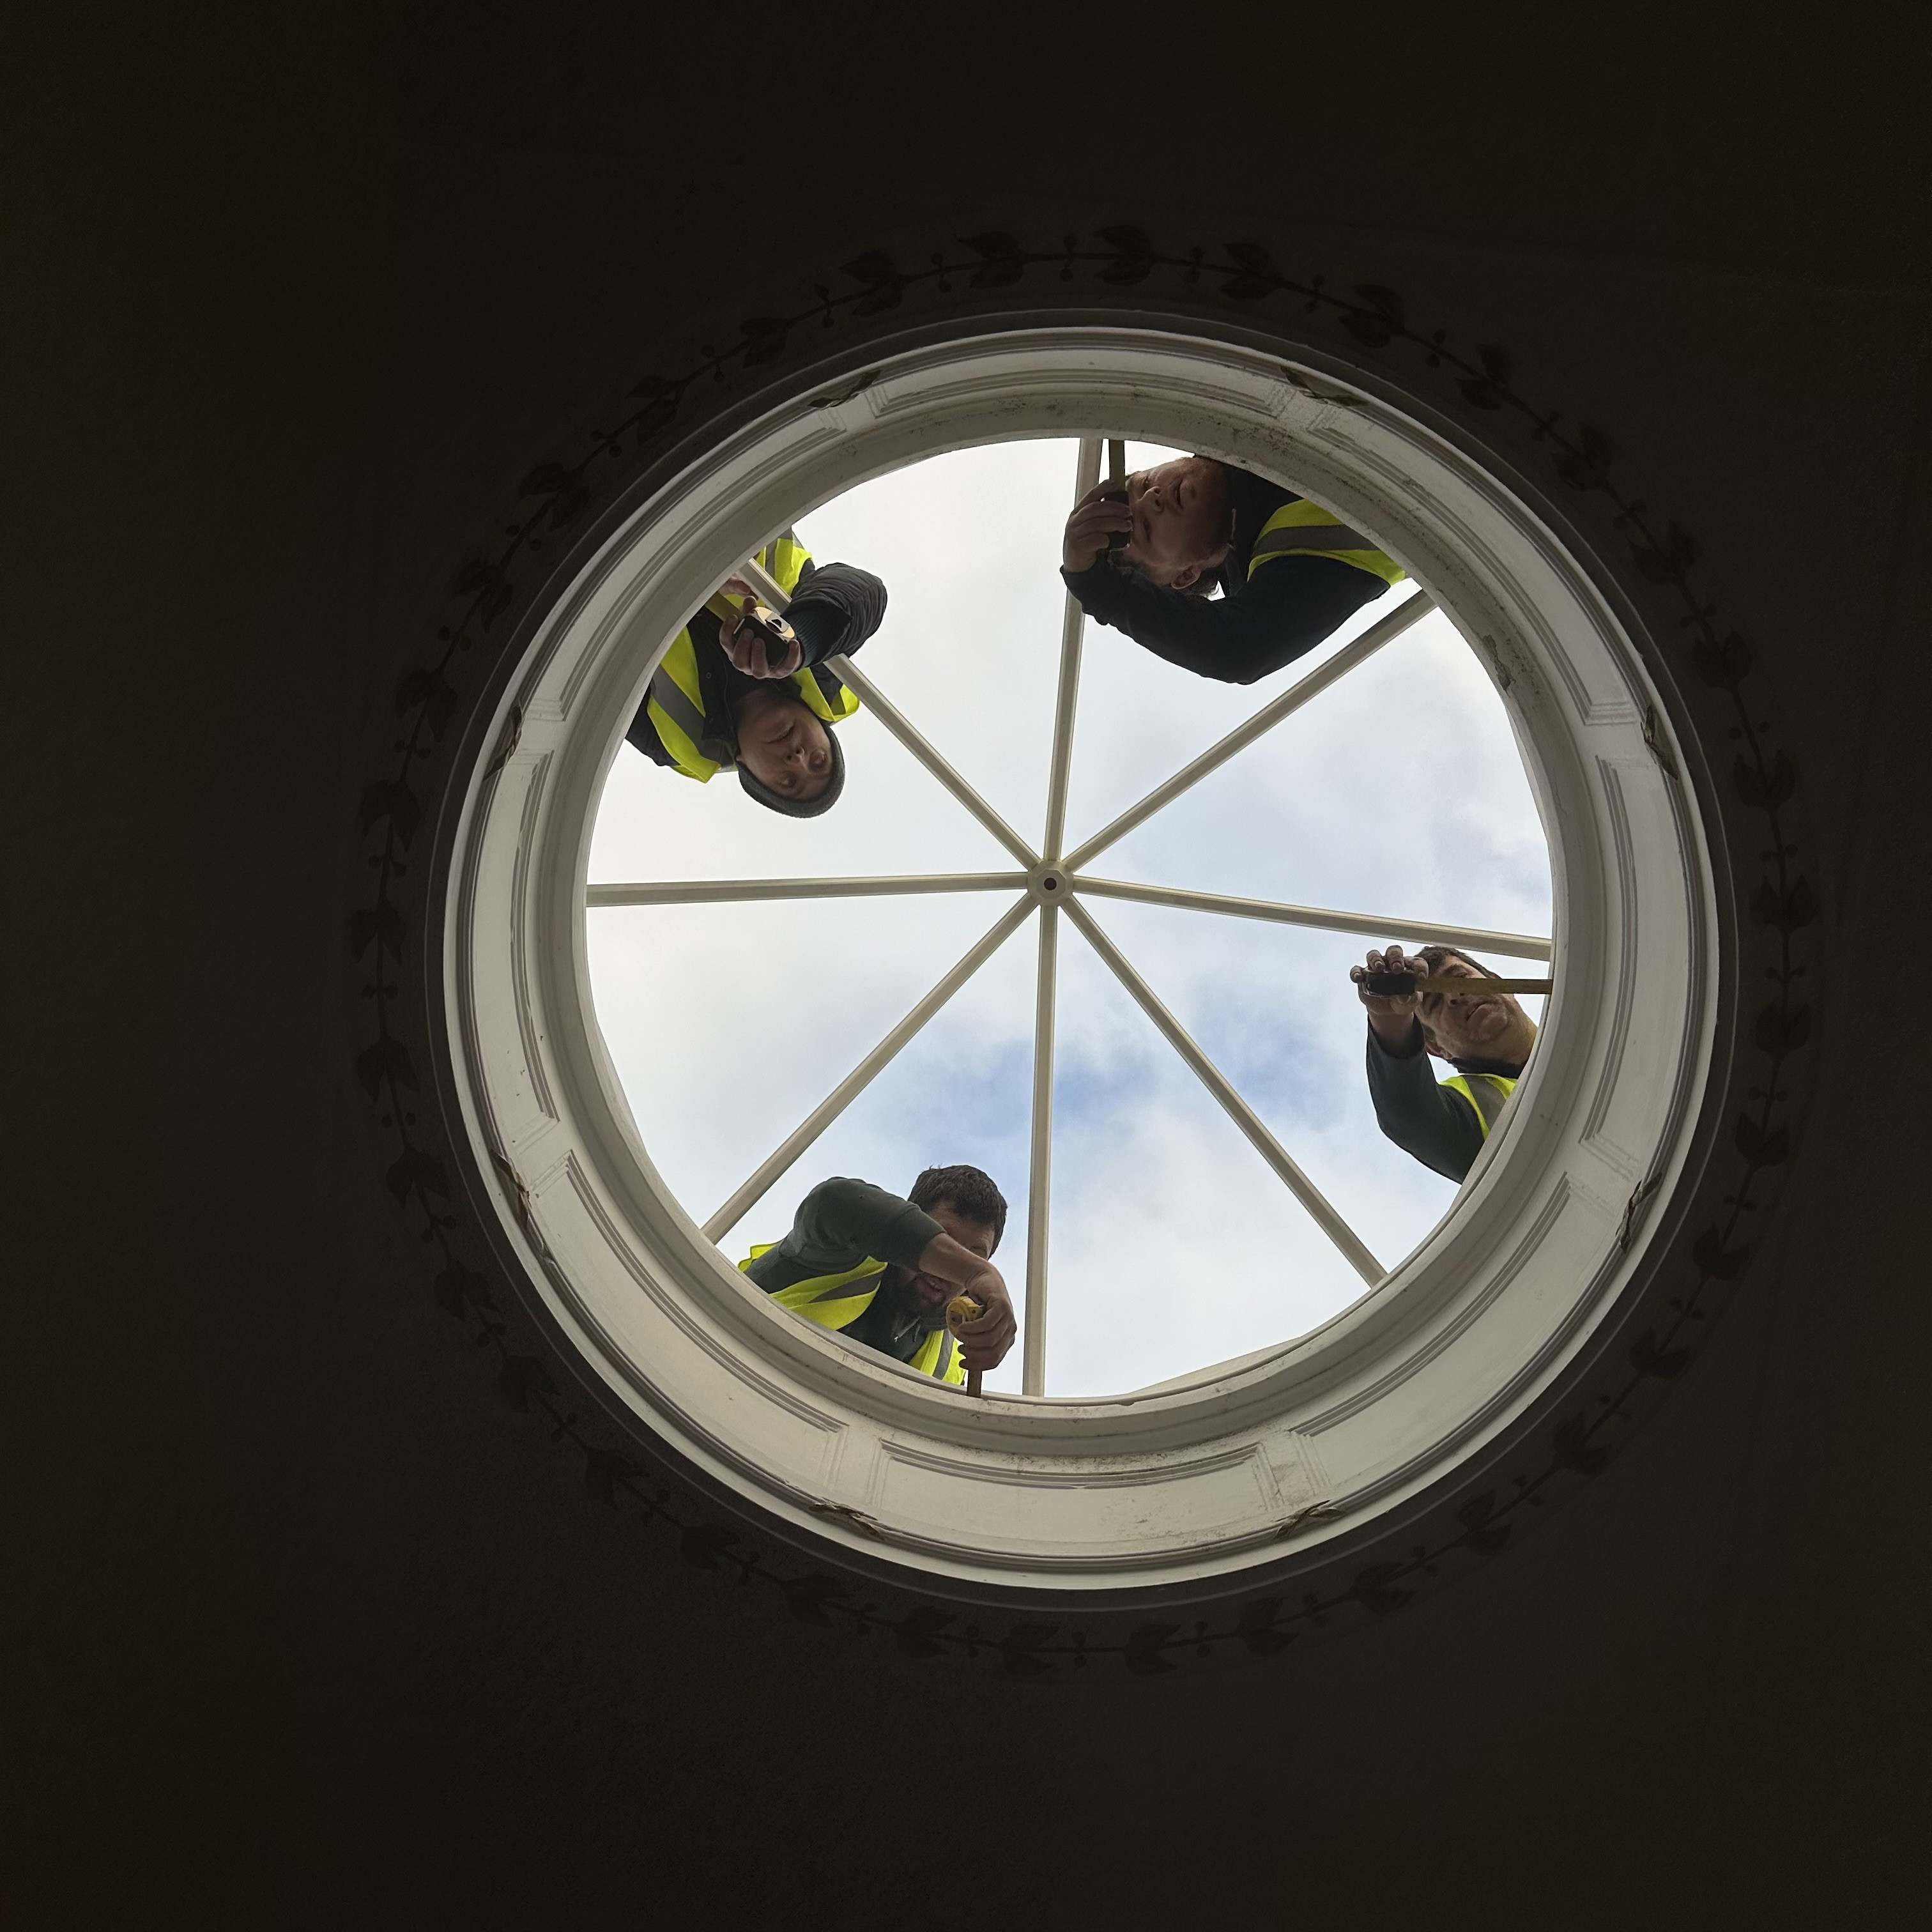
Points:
[(1225, 1469)]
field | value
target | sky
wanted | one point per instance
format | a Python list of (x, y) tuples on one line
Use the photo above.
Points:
[(1172, 1245)]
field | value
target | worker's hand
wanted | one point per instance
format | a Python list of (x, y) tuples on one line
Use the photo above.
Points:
[(947, 1268), (746, 646), (1392, 1015), (1095, 516), (983, 1344)]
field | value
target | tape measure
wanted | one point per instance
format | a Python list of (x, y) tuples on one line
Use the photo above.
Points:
[(762, 622), (1116, 488), (965, 1308)]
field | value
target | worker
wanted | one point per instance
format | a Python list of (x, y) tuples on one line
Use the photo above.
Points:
[(881, 1270), (1484, 1034), (716, 703), (1289, 573)]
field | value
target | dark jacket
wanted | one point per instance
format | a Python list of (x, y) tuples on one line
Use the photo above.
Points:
[(1438, 1126), (1258, 623), (835, 609), (842, 1223)]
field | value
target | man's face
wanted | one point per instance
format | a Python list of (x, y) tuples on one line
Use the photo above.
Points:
[(928, 1292), (1180, 512), (1489, 1026), (783, 745)]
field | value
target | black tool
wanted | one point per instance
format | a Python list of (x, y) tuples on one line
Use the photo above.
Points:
[(762, 622), (1396, 986)]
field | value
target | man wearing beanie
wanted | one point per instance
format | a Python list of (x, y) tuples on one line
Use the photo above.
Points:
[(716, 704)]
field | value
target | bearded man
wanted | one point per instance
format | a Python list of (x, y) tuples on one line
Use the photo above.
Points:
[(1483, 1034)]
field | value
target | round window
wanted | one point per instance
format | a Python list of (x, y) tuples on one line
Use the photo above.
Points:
[(1176, 1103), (1386, 1342)]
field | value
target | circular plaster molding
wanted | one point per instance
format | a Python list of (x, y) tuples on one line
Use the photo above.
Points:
[(1236, 1472)]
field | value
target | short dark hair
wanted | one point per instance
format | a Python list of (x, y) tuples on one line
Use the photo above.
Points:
[(967, 1191), (1433, 957)]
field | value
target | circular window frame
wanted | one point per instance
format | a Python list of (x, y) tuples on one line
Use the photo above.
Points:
[(1244, 1465)]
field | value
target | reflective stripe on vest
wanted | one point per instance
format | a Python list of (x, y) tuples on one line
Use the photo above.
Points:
[(939, 1356), (676, 711), (837, 1300), (676, 703), (1486, 1093), (785, 558), (1302, 529), (832, 1301)]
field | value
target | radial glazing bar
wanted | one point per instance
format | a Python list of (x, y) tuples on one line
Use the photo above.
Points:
[(770, 591), (1243, 1116), (895, 721), (900, 726), (862, 1076), (1365, 925), (1263, 721), (1039, 1176), (1072, 625), (714, 892)]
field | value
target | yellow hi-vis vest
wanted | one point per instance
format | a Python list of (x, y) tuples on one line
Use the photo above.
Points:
[(700, 748), (837, 1300), (1486, 1093), (1302, 529)]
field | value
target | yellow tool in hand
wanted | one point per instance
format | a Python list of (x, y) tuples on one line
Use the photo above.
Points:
[(1117, 487), (964, 1308)]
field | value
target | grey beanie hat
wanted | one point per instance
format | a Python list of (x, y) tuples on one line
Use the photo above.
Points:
[(802, 808)]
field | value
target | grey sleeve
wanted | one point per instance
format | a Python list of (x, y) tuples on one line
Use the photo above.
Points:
[(1423, 1117), (841, 1221)]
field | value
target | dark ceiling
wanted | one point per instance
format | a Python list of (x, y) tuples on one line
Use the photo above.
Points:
[(305, 1628)]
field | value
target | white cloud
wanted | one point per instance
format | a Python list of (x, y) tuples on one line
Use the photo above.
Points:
[(1399, 790)]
